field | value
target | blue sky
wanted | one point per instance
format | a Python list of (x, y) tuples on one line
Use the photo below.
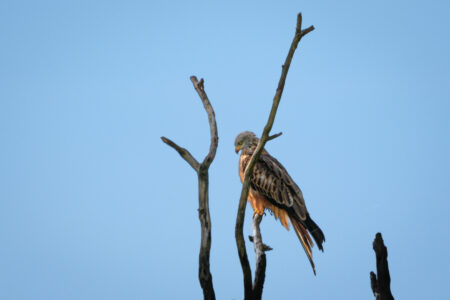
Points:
[(94, 206)]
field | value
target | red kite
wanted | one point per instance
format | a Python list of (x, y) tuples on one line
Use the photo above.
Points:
[(273, 189)]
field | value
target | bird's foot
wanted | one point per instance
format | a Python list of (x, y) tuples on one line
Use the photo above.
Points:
[(259, 212)]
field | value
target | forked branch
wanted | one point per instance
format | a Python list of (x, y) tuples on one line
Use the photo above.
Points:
[(184, 153), (249, 293), (204, 272)]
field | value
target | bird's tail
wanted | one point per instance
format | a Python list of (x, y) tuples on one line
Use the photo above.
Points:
[(315, 231), (304, 238)]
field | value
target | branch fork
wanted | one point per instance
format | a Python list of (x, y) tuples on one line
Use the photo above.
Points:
[(201, 169)]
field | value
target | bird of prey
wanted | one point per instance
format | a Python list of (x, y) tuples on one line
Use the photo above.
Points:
[(273, 189)]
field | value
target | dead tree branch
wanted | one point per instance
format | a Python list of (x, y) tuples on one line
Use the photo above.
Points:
[(240, 242), (260, 271), (204, 272), (381, 286), (265, 247), (184, 153), (274, 136)]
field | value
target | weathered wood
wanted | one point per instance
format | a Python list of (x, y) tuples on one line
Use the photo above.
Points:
[(200, 88), (240, 242), (381, 284), (184, 153), (260, 271), (204, 273), (265, 247)]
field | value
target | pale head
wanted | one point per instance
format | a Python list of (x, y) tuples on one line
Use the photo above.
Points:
[(244, 140)]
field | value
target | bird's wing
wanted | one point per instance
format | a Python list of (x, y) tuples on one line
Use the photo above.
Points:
[(272, 180)]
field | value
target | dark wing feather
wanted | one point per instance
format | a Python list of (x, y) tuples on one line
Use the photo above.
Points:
[(272, 180)]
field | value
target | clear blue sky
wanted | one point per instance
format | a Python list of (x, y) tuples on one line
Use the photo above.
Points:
[(94, 206)]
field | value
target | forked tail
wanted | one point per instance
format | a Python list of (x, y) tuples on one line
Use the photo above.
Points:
[(315, 231), (305, 240)]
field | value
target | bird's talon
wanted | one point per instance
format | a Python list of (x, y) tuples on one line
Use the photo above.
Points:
[(259, 213)]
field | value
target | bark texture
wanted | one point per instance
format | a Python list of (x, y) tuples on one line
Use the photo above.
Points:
[(261, 262)]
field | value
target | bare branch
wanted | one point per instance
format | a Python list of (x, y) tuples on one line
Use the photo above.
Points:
[(204, 273), (240, 242), (200, 88), (184, 153), (265, 247), (307, 30), (260, 271), (381, 286), (274, 136), (374, 285)]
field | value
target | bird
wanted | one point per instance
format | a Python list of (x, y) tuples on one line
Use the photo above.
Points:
[(272, 189)]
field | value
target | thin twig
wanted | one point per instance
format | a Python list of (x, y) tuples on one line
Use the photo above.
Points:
[(204, 273), (184, 153), (307, 30), (240, 242), (274, 136)]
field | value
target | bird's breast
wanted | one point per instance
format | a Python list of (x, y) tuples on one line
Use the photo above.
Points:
[(243, 161)]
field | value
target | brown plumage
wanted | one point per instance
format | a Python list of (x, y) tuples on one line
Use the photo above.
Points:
[(272, 188)]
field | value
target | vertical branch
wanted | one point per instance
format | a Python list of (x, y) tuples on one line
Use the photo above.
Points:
[(381, 286), (240, 242), (200, 88), (260, 271), (204, 273), (203, 184)]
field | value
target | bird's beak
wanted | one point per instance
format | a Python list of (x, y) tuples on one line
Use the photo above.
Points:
[(237, 148)]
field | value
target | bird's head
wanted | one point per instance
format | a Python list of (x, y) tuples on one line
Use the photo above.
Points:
[(244, 140)]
